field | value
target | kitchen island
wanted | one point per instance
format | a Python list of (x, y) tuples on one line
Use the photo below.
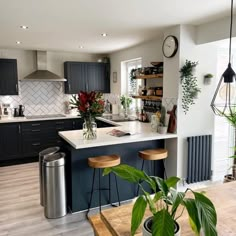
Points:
[(79, 174)]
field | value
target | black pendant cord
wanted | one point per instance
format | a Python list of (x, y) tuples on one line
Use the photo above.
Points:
[(231, 26)]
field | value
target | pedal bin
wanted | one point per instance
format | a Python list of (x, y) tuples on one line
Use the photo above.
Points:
[(54, 185), (42, 154)]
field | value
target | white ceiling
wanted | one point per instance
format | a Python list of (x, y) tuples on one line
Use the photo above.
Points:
[(64, 25)]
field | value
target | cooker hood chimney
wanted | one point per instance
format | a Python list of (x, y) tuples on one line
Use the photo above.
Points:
[(42, 74)]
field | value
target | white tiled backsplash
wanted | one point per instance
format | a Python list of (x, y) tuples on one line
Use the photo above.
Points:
[(39, 98)]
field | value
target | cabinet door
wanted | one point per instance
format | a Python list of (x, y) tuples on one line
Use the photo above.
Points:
[(10, 141), (8, 77), (76, 74), (98, 77)]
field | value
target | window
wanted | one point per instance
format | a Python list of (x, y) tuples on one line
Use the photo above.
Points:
[(129, 87)]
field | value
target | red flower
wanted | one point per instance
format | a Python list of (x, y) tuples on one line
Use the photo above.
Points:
[(89, 104)]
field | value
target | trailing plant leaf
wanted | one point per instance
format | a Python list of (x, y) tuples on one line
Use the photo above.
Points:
[(190, 87), (163, 224), (138, 213)]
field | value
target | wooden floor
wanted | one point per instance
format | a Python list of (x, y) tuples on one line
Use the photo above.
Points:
[(21, 213)]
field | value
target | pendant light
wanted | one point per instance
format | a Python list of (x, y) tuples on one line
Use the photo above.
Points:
[(224, 99)]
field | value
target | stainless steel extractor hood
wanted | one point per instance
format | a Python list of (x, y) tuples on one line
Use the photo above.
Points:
[(42, 74)]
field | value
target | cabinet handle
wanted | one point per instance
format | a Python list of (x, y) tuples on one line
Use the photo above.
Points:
[(60, 128), (73, 124), (19, 129), (16, 87), (36, 144), (35, 130), (69, 86), (60, 122), (37, 124)]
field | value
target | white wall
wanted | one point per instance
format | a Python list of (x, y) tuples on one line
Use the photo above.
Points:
[(149, 51), (214, 31), (41, 97), (200, 119)]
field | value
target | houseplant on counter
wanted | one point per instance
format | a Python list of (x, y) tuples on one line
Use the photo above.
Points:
[(166, 205), (162, 128), (189, 84), (125, 102), (89, 105)]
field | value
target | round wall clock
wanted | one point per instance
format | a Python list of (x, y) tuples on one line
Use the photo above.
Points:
[(170, 46)]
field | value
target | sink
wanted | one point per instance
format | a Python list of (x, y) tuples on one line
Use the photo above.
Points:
[(45, 116)]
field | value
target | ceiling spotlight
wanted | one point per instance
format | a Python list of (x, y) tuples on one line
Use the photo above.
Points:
[(24, 27), (81, 46), (104, 34), (18, 42)]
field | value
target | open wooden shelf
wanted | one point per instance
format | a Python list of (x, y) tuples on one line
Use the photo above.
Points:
[(155, 76), (155, 98)]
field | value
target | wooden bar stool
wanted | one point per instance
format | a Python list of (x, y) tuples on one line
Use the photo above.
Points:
[(153, 155), (100, 162)]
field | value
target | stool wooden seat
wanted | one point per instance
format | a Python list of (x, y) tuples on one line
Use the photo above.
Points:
[(97, 163), (104, 161), (153, 154)]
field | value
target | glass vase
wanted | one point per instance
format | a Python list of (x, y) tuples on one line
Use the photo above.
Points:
[(89, 128)]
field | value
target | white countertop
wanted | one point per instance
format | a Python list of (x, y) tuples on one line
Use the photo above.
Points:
[(24, 119), (140, 132)]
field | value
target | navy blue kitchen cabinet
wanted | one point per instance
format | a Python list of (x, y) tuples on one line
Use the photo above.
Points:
[(8, 77), (87, 76), (21, 141), (25, 140), (10, 141)]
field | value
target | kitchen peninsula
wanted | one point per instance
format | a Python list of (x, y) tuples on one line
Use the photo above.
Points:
[(79, 174)]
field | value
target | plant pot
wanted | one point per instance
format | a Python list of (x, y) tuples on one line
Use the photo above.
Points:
[(162, 129), (207, 80), (147, 225), (228, 178)]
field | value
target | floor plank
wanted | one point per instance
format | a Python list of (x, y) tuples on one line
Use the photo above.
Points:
[(21, 213)]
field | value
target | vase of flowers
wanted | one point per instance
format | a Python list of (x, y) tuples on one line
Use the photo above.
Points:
[(89, 105)]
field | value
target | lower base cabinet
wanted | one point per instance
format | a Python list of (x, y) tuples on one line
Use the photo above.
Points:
[(27, 139), (10, 141)]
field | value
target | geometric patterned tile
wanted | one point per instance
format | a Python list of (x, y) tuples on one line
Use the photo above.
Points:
[(39, 98)]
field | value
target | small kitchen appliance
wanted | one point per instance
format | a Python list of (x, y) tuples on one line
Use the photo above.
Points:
[(6, 109), (21, 110)]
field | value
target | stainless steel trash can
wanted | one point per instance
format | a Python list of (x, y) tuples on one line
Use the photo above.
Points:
[(42, 154), (54, 185)]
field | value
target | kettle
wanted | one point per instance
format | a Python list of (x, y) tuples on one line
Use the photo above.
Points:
[(21, 110)]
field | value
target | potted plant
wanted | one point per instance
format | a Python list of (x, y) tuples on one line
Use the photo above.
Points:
[(207, 78), (164, 202), (189, 84), (125, 102), (162, 128)]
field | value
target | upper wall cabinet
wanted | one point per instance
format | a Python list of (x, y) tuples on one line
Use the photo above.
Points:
[(8, 77), (87, 76)]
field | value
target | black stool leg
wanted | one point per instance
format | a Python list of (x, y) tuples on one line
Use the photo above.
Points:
[(91, 194), (117, 190), (165, 174), (99, 188), (140, 182)]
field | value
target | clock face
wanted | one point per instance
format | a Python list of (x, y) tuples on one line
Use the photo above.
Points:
[(170, 46)]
